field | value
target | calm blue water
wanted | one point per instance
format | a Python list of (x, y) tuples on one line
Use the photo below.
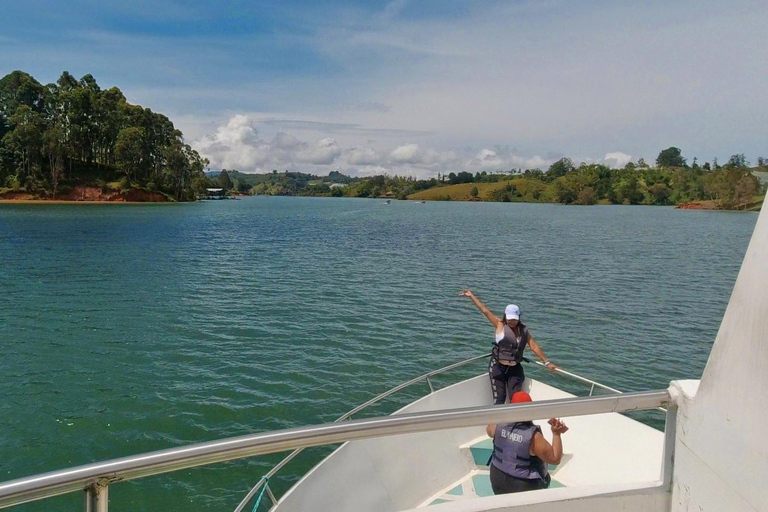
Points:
[(134, 328)]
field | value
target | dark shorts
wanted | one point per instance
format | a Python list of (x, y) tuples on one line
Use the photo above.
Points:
[(502, 483), (505, 380)]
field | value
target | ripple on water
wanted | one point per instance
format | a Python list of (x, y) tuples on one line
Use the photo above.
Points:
[(134, 329)]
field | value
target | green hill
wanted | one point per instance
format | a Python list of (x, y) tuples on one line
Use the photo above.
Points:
[(460, 192)]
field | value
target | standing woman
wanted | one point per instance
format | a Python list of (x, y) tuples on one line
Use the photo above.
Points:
[(512, 336)]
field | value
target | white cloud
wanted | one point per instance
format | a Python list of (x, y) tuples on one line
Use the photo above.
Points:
[(285, 141), (239, 144), (504, 159), (488, 159), (616, 159), (362, 156), (234, 145), (406, 154), (323, 152)]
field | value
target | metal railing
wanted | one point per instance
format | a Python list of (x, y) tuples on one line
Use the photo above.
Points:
[(95, 478), (593, 384)]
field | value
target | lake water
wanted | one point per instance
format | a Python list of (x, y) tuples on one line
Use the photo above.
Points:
[(133, 328)]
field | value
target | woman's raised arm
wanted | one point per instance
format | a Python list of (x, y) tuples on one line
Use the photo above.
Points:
[(487, 312)]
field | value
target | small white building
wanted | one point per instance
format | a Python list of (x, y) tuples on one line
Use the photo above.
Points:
[(215, 193)]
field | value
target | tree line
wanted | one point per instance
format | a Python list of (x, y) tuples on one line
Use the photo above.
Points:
[(73, 132), (671, 181)]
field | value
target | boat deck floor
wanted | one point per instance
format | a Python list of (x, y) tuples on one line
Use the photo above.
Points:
[(477, 483)]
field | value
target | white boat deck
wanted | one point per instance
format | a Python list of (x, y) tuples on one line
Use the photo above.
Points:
[(477, 483), (421, 470)]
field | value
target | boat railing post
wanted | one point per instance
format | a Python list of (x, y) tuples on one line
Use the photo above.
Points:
[(97, 497), (271, 496), (670, 435), (429, 381), (592, 389)]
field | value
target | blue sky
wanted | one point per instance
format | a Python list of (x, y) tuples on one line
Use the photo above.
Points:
[(418, 87)]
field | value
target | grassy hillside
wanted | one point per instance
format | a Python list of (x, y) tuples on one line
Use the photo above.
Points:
[(460, 192), (516, 188)]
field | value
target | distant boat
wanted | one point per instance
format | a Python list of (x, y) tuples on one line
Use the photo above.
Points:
[(387, 201)]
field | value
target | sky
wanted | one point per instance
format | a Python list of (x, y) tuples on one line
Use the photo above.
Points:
[(418, 87)]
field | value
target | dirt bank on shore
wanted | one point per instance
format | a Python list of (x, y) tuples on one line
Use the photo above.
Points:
[(84, 194), (699, 205), (753, 206)]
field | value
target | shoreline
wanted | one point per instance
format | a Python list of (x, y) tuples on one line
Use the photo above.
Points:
[(706, 205), (85, 194), (66, 201)]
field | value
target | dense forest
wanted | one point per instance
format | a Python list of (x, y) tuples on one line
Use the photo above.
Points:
[(57, 136), (670, 182)]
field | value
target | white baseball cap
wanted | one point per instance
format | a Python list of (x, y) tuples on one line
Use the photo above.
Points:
[(512, 312)]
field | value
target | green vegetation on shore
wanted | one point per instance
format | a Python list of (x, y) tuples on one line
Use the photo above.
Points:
[(72, 133), (73, 140), (671, 182), (733, 186)]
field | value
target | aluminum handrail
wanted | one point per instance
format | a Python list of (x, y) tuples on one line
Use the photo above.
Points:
[(406, 384), (582, 379), (101, 474), (264, 480)]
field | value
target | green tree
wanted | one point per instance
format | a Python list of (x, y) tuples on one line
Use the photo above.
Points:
[(670, 157), (627, 190), (129, 154), (224, 180), (745, 189), (731, 186), (25, 140), (738, 160), (474, 192), (53, 146), (659, 193), (564, 190), (559, 168), (587, 195)]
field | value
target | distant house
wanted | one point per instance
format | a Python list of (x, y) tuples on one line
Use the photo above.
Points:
[(215, 193)]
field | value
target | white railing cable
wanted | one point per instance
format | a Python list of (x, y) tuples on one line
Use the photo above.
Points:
[(84, 477)]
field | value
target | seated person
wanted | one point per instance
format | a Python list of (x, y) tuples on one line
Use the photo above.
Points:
[(521, 454)]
